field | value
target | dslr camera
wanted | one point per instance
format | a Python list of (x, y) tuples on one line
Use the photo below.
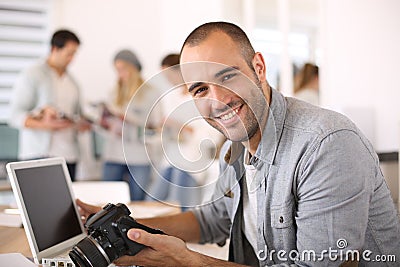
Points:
[(107, 237)]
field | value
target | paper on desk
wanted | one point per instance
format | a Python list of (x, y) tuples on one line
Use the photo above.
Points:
[(10, 220), (15, 260)]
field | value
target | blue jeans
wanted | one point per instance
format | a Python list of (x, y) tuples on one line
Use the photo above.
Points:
[(176, 185), (138, 183)]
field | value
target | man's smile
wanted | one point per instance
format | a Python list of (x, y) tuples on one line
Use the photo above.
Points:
[(230, 116)]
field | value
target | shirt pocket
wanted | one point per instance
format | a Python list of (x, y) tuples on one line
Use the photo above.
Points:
[(283, 228), (282, 217)]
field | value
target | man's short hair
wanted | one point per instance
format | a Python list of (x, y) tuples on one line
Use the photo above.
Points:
[(170, 60), (61, 37), (201, 33)]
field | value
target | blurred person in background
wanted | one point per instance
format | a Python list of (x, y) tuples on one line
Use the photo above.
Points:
[(46, 105), (126, 112), (306, 84)]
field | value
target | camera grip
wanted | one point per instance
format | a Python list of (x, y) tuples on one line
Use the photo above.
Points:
[(124, 224)]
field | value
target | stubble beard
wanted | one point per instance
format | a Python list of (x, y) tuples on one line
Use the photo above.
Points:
[(251, 123)]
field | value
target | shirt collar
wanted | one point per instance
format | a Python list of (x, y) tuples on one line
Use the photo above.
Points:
[(268, 146)]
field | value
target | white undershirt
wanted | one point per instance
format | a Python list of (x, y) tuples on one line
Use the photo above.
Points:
[(250, 204), (63, 142)]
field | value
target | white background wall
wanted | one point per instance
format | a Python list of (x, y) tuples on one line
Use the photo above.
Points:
[(360, 48), (360, 68)]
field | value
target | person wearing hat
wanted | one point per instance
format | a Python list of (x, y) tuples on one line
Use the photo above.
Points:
[(125, 115)]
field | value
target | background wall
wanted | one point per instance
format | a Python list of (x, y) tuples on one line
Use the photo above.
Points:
[(360, 67)]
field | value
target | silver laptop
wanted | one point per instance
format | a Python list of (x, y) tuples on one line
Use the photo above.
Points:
[(42, 189)]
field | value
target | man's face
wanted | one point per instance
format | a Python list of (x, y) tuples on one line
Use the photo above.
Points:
[(227, 92), (63, 56)]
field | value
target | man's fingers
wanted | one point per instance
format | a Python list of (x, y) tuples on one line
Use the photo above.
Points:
[(85, 206), (161, 250), (151, 240), (140, 236), (80, 203), (87, 209)]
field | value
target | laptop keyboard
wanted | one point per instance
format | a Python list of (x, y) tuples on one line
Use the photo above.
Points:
[(64, 262), (60, 261)]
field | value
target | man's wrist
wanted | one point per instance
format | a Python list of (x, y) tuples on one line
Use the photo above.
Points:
[(193, 258), (198, 259)]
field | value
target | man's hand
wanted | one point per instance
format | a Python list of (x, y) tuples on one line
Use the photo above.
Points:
[(51, 120), (83, 125), (86, 209), (48, 119), (163, 250)]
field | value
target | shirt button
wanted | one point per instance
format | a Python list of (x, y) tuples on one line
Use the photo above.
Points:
[(281, 219)]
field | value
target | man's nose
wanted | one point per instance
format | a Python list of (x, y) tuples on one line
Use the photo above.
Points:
[(220, 96)]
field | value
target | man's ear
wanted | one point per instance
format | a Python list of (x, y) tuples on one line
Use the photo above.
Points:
[(259, 66)]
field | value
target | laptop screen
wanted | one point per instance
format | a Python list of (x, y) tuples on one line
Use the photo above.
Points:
[(49, 204)]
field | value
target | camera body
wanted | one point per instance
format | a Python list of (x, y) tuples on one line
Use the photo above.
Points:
[(107, 237)]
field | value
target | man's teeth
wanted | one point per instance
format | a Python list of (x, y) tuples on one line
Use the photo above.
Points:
[(230, 114)]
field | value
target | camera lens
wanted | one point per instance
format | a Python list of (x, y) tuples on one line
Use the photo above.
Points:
[(87, 253)]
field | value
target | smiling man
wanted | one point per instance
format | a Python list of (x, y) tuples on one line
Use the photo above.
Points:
[(299, 185)]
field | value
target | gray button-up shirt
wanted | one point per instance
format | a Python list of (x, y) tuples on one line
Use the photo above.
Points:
[(322, 198)]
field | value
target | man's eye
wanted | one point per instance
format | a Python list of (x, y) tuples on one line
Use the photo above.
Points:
[(200, 90), (228, 77)]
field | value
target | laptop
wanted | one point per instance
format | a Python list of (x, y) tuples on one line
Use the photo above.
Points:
[(52, 223)]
